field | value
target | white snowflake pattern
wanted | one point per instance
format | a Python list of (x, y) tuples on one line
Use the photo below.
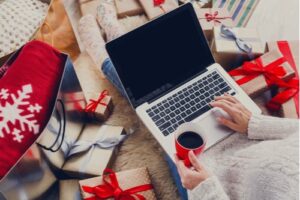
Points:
[(14, 112)]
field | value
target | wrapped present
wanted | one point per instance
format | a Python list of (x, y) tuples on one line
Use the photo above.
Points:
[(211, 17), (30, 162), (69, 190), (240, 11), (257, 76), (155, 8), (287, 100), (94, 151), (232, 46), (89, 7), (127, 8), (100, 106), (197, 3), (20, 188), (130, 184)]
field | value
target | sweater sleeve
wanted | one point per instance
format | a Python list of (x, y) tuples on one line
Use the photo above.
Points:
[(265, 127), (210, 189)]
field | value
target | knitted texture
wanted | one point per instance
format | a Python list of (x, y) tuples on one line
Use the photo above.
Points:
[(18, 21), (254, 169)]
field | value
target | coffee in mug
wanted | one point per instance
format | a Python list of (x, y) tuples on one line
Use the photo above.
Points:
[(189, 137)]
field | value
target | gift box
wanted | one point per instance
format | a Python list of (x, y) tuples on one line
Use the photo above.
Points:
[(89, 7), (127, 8), (100, 106), (288, 96), (20, 188), (133, 184), (155, 8), (30, 162), (233, 46), (69, 190), (257, 76), (198, 3), (211, 17), (240, 11), (95, 150)]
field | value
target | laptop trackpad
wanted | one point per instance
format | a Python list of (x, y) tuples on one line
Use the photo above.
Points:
[(213, 130)]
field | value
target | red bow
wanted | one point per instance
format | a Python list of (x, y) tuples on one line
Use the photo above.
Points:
[(282, 97), (214, 17), (158, 2), (91, 107), (250, 70), (112, 189)]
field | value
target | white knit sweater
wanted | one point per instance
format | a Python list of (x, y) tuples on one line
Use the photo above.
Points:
[(249, 168)]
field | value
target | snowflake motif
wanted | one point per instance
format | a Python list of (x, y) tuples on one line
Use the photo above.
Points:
[(13, 113)]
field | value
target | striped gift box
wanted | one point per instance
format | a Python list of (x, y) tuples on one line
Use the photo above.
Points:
[(240, 10)]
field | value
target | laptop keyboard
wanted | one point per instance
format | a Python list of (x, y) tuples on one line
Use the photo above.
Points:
[(188, 104)]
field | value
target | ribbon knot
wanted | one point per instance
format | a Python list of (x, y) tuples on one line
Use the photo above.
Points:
[(214, 17), (92, 106), (112, 189), (273, 72), (241, 44)]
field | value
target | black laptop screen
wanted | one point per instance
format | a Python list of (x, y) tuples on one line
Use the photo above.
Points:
[(160, 55)]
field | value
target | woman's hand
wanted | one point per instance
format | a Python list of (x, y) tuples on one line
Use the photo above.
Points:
[(239, 114), (190, 177)]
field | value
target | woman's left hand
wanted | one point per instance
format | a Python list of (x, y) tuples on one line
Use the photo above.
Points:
[(191, 177)]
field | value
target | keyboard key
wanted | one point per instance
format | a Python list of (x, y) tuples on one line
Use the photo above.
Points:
[(171, 102), (164, 126), (162, 114), (202, 97), (198, 106), (193, 108), (192, 103), (196, 88), (148, 110), (209, 75), (182, 102), (167, 110), (206, 94), (187, 99), (171, 129), (158, 105), (187, 106), (215, 77), (156, 111), (173, 121), (211, 85), (206, 88), (202, 91), (166, 105), (197, 113), (210, 80), (178, 118), (176, 99), (191, 91), (167, 117), (165, 132), (172, 114), (197, 93), (197, 99), (181, 122), (226, 89), (214, 72), (186, 93), (161, 108), (192, 96), (188, 112), (181, 96), (172, 108), (182, 108), (151, 114), (160, 122), (155, 118), (177, 112), (183, 115), (203, 103), (177, 105)]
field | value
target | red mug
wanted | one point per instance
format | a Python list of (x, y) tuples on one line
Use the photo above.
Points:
[(182, 151)]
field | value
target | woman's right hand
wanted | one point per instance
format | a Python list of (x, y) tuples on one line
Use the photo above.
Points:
[(240, 115)]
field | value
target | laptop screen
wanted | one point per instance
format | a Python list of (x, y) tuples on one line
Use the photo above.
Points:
[(160, 55)]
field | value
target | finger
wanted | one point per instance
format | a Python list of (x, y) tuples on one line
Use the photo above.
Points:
[(228, 123), (194, 161), (225, 106), (180, 166), (227, 97)]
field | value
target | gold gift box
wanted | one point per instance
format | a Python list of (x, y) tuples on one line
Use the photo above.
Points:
[(288, 109), (82, 166), (127, 8), (227, 53), (155, 11), (126, 179), (259, 85), (222, 17)]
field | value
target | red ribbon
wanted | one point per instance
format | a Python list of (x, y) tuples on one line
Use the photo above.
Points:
[(112, 189), (272, 72), (91, 107), (158, 2), (213, 17), (291, 87)]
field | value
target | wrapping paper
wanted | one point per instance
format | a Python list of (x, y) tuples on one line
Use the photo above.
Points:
[(126, 179), (127, 8), (100, 106), (153, 11), (259, 84), (289, 49), (92, 162), (89, 7), (69, 190), (198, 3), (227, 53), (240, 11), (211, 17)]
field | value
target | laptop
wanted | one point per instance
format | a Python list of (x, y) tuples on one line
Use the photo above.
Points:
[(170, 77)]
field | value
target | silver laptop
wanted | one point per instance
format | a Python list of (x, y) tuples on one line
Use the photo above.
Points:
[(170, 76)]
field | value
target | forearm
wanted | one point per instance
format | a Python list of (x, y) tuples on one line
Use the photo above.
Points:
[(265, 127), (210, 189)]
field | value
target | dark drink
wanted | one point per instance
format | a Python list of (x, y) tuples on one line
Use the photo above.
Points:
[(190, 140)]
